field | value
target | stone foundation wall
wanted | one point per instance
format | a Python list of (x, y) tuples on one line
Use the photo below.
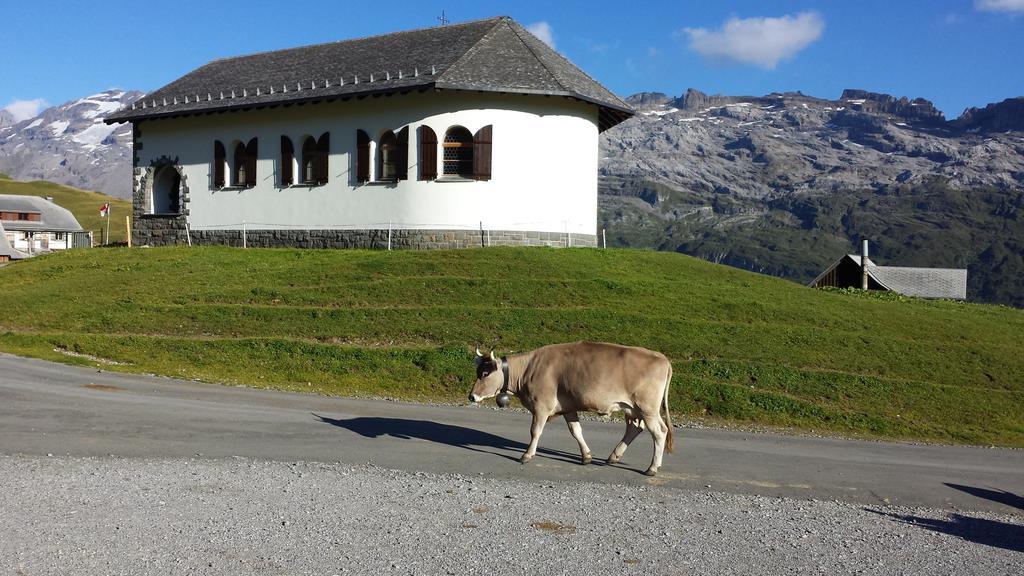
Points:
[(162, 230)]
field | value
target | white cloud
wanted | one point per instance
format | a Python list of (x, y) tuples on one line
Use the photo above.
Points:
[(759, 41), (25, 109), (543, 31), (1000, 5)]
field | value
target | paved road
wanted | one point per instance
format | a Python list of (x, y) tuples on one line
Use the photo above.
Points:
[(48, 408)]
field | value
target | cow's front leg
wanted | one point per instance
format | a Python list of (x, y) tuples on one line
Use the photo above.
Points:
[(539, 419), (573, 420)]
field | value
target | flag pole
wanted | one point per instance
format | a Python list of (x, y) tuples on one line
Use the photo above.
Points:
[(108, 224)]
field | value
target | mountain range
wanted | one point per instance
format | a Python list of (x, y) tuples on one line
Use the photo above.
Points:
[(782, 184), (69, 144)]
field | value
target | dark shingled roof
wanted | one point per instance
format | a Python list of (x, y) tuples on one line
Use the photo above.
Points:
[(493, 55)]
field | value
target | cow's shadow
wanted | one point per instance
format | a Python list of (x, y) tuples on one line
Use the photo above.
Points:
[(447, 434)]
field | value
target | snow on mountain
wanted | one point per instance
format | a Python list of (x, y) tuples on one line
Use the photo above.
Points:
[(70, 144)]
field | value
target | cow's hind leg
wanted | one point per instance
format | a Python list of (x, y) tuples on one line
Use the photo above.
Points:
[(573, 420), (659, 430), (536, 429), (633, 429)]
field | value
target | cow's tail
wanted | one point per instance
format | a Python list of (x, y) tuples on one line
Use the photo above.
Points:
[(668, 414)]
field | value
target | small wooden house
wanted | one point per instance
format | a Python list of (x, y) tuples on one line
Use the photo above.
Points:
[(847, 272)]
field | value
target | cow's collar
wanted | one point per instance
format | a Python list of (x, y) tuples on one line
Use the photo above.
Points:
[(504, 374)]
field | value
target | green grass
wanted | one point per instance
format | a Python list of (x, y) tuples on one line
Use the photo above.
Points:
[(83, 204), (746, 348)]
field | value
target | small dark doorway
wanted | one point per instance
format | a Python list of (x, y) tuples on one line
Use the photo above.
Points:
[(167, 190)]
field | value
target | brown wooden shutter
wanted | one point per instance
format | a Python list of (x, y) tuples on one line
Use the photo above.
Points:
[(482, 153), (362, 156), (250, 163), (323, 148), (219, 156), (287, 160), (403, 154), (428, 153)]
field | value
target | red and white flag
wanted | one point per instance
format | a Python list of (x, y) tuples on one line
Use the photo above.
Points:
[(105, 210)]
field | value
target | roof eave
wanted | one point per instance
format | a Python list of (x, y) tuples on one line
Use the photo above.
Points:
[(611, 114), (119, 119)]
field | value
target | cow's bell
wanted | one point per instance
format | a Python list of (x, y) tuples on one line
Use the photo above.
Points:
[(502, 400)]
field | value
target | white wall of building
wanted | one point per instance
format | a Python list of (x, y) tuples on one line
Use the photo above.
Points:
[(543, 178), (40, 241)]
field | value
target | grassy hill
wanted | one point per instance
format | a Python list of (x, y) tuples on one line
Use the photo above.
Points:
[(746, 348), (83, 204)]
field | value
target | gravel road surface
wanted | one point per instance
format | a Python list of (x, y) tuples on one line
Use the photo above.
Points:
[(106, 473), (67, 515)]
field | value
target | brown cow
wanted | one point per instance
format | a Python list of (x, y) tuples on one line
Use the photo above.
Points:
[(563, 379)]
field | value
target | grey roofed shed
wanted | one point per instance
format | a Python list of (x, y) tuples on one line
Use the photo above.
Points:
[(492, 55), (922, 282), (52, 217)]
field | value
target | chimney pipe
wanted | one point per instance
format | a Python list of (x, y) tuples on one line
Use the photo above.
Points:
[(864, 264)]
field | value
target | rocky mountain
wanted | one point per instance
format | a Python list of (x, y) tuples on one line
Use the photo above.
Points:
[(786, 183), (71, 145), (1006, 115), (6, 119)]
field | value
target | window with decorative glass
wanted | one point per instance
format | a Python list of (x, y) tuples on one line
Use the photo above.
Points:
[(458, 152)]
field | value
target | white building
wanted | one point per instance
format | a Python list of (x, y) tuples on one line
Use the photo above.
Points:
[(30, 225), (460, 135)]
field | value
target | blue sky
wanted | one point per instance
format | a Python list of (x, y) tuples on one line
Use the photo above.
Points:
[(957, 53)]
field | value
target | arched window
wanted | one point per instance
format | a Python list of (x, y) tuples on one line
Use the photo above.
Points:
[(309, 160), (166, 190), (387, 154), (238, 176), (458, 152), (315, 156), (220, 163), (287, 161)]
